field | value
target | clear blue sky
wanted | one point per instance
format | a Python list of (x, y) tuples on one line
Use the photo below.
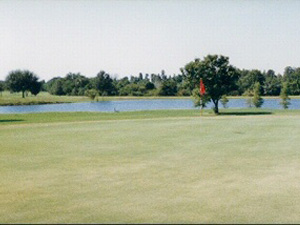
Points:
[(53, 38)]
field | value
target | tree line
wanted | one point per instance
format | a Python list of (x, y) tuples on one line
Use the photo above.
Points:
[(161, 84)]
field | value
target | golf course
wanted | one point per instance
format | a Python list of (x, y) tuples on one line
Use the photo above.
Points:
[(163, 166), (149, 112)]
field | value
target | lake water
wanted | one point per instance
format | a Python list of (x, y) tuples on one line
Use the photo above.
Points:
[(133, 105)]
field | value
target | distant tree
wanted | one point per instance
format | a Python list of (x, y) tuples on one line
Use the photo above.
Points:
[(57, 87), (1, 87), (292, 76), (120, 84), (140, 76), (147, 76), (75, 84), (168, 88), (218, 75), (149, 85), (257, 100), (285, 100), (35, 87), (134, 79), (156, 80), (272, 83), (21, 80), (224, 100), (183, 87), (247, 80), (103, 83), (44, 85), (68, 86), (288, 73), (92, 93), (163, 75), (133, 89)]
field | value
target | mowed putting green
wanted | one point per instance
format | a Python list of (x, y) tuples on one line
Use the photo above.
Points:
[(224, 169)]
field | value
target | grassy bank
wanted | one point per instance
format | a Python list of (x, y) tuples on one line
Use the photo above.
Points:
[(45, 98), (42, 98), (165, 167)]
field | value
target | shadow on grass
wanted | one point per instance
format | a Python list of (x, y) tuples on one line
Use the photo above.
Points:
[(9, 121), (244, 113)]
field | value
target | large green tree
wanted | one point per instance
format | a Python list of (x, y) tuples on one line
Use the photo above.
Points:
[(218, 75), (22, 81), (104, 83)]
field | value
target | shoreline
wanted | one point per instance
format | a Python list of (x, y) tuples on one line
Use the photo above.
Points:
[(45, 98)]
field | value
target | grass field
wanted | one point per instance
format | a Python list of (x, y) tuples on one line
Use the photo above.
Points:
[(7, 98), (150, 167)]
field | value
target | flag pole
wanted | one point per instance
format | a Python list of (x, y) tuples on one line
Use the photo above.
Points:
[(201, 110), (202, 92)]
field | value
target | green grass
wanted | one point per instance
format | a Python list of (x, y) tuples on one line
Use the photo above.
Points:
[(151, 167), (6, 119), (7, 98), (42, 98)]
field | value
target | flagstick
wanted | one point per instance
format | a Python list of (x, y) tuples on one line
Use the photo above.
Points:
[(202, 92), (201, 110)]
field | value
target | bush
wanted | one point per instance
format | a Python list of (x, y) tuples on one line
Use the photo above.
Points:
[(92, 93), (284, 96), (257, 100)]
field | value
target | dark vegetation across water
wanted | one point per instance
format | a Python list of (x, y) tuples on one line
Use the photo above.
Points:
[(231, 81), (157, 84)]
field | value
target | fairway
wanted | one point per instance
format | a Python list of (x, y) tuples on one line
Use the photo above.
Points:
[(213, 169)]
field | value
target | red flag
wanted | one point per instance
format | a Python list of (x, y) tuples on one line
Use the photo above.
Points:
[(202, 87)]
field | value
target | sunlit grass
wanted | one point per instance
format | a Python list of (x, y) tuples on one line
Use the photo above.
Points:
[(160, 167), (50, 117)]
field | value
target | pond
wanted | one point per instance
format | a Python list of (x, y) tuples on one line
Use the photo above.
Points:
[(133, 105)]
